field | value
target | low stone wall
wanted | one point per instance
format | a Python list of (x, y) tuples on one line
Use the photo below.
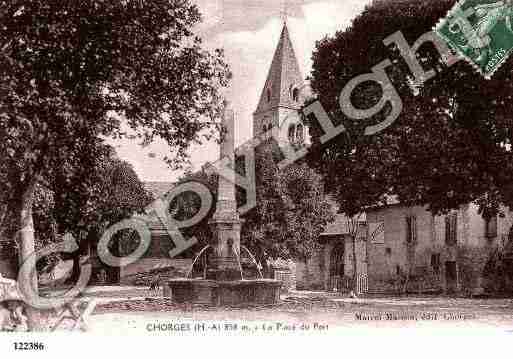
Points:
[(148, 264), (146, 270)]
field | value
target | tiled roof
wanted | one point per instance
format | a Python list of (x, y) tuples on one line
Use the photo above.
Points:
[(284, 75)]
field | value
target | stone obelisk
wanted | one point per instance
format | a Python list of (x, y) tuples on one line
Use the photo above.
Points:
[(225, 223)]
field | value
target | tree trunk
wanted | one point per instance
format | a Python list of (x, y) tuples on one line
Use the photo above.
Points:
[(75, 271), (3, 214), (355, 266), (26, 243)]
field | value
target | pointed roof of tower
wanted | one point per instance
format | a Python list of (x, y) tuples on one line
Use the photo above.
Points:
[(284, 75)]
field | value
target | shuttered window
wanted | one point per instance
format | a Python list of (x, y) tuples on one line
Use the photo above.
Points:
[(451, 229), (411, 229)]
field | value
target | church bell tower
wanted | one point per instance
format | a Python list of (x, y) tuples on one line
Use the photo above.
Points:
[(282, 94)]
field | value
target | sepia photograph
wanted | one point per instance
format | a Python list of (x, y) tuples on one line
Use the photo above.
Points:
[(293, 169)]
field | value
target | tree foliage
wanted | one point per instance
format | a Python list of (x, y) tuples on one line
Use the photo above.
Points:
[(93, 199), (291, 210), (67, 66), (73, 73), (187, 204), (451, 142), (109, 193)]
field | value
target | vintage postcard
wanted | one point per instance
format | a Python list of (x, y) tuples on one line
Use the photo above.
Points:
[(190, 171)]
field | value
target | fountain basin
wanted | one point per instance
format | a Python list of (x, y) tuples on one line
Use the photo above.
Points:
[(221, 293)]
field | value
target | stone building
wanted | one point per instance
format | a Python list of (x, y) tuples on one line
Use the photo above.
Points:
[(407, 249), (332, 265), (444, 253), (156, 256)]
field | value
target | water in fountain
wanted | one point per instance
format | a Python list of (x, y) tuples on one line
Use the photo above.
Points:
[(237, 255), (254, 260), (195, 259)]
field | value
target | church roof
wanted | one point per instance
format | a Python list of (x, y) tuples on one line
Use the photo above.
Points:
[(284, 75)]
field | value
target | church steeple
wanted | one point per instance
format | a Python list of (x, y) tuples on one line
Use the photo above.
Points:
[(282, 90)]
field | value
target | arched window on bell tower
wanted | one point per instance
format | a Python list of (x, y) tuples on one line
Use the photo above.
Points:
[(294, 93), (300, 133), (292, 133), (266, 125), (297, 134)]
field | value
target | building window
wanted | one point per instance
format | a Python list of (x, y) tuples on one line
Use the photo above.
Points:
[(268, 95), (435, 263), (451, 226), (388, 251), (292, 133), (411, 229), (491, 227), (295, 95)]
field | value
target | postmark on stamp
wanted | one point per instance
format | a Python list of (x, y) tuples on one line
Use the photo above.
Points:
[(481, 31)]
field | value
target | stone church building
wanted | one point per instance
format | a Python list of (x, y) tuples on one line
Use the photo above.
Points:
[(283, 95), (392, 242)]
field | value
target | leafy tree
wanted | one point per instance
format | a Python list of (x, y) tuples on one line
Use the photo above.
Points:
[(88, 203), (67, 68), (291, 209), (187, 204), (451, 143), (85, 205)]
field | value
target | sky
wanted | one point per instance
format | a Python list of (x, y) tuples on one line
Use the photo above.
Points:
[(248, 31)]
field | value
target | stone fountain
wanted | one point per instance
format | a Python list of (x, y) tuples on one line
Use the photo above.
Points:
[(223, 282)]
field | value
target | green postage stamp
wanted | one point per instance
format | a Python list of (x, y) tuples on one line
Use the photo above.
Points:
[(481, 31)]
